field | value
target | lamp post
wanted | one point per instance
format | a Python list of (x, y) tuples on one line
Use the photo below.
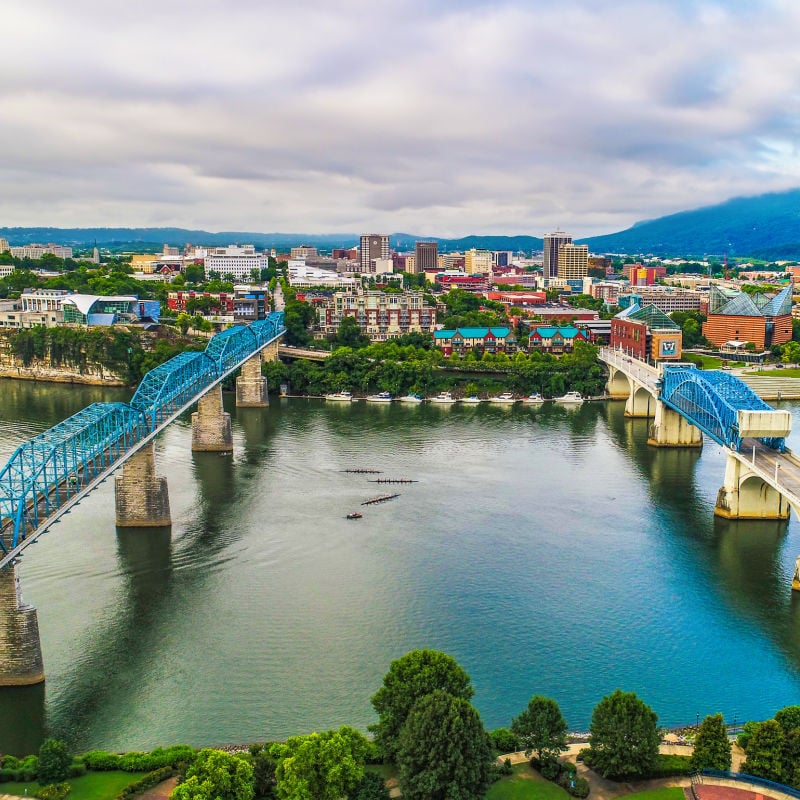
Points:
[(697, 720)]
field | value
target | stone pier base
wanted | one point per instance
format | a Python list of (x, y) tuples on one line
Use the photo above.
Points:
[(744, 495), (251, 385), (211, 426), (142, 497), (20, 648), (671, 429)]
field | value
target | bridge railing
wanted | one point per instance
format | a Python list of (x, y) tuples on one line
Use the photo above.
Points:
[(49, 470)]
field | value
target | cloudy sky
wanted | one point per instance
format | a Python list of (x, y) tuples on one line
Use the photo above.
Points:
[(434, 118)]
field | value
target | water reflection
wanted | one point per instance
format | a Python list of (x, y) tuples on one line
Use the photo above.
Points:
[(22, 719)]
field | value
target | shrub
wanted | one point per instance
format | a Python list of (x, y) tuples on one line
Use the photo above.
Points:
[(505, 767), (671, 766), (77, 768), (54, 762), (7, 775), (173, 756), (145, 782), (101, 761), (550, 769), (55, 791), (579, 788), (504, 741)]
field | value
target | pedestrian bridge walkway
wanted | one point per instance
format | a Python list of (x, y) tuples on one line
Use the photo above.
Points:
[(49, 474)]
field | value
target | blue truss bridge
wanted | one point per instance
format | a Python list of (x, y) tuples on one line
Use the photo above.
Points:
[(762, 476), (49, 474)]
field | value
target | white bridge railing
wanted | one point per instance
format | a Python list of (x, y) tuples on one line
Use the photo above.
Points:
[(639, 370)]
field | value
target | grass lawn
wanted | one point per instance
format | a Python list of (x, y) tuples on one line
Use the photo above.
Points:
[(526, 784), (671, 793), (778, 373), (92, 786)]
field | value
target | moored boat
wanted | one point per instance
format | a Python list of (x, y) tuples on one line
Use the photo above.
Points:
[(443, 398), (472, 400), (533, 398), (381, 397), (569, 397), (411, 398), (342, 397), (506, 398)]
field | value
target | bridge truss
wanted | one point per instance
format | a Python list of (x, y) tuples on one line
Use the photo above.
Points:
[(52, 471), (711, 400)]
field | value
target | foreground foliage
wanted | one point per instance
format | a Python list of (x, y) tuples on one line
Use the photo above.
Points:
[(215, 775), (712, 748), (541, 728), (624, 737), (444, 752)]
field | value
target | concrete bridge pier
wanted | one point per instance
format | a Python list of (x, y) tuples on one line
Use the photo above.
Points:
[(640, 403), (745, 495), (671, 429), (796, 577), (251, 385), (20, 647), (211, 426), (142, 498)]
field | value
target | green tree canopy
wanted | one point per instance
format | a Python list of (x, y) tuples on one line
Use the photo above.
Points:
[(444, 753), (765, 751), (54, 762), (541, 728), (712, 748), (370, 787), (788, 718), (624, 736), (216, 775), (320, 766), (349, 334), (410, 678)]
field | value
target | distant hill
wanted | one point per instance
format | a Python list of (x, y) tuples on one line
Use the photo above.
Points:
[(149, 239), (766, 226)]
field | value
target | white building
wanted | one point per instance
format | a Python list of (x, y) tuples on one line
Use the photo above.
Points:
[(235, 260), (6, 270), (36, 251), (3, 245), (301, 275)]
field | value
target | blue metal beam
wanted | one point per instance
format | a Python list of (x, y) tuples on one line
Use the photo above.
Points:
[(48, 472)]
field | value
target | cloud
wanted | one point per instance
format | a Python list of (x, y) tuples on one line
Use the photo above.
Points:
[(433, 117)]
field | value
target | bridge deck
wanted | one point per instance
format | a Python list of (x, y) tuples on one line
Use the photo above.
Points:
[(51, 473)]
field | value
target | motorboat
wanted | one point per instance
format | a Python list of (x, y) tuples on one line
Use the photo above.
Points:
[(533, 398), (569, 397), (355, 515), (443, 398), (341, 397), (506, 398), (472, 400), (381, 397), (411, 398)]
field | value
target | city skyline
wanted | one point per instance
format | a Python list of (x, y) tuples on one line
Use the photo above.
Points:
[(444, 118)]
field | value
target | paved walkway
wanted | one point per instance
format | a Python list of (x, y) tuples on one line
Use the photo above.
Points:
[(161, 791)]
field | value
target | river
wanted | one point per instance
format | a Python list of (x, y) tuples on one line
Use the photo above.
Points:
[(549, 550)]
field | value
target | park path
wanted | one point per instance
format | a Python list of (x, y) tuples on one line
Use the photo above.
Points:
[(161, 791)]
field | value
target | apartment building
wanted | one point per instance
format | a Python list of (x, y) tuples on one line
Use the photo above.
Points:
[(235, 260), (380, 315)]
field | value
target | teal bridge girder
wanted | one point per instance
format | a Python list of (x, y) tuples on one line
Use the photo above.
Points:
[(710, 400), (51, 472)]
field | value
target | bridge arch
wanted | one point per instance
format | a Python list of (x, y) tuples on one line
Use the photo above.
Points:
[(641, 402), (619, 385)]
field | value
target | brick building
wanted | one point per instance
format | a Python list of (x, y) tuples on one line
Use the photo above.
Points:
[(646, 333), (765, 320)]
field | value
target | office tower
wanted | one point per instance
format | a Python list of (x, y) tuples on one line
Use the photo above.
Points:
[(552, 241), (426, 256), (573, 261), (373, 245)]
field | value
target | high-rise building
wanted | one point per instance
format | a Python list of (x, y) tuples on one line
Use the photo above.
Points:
[(303, 251), (373, 245), (552, 241), (573, 261), (3, 245), (477, 261), (426, 256)]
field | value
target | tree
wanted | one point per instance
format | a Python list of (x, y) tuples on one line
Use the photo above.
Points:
[(349, 334), (712, 748), (215, 775), (788, 718), (183, 322), (54, 762), (370, 787), (320, 766), (791, 758), (541, 728), (444, 753), (765, 751), (410, 678), (504, 741), (264, 766), (624, 736)]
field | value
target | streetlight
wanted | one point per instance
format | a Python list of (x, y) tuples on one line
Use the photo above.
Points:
[(697, 720)]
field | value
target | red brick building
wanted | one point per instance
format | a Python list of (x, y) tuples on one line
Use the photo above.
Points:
[(646, 333), (765, 320)]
